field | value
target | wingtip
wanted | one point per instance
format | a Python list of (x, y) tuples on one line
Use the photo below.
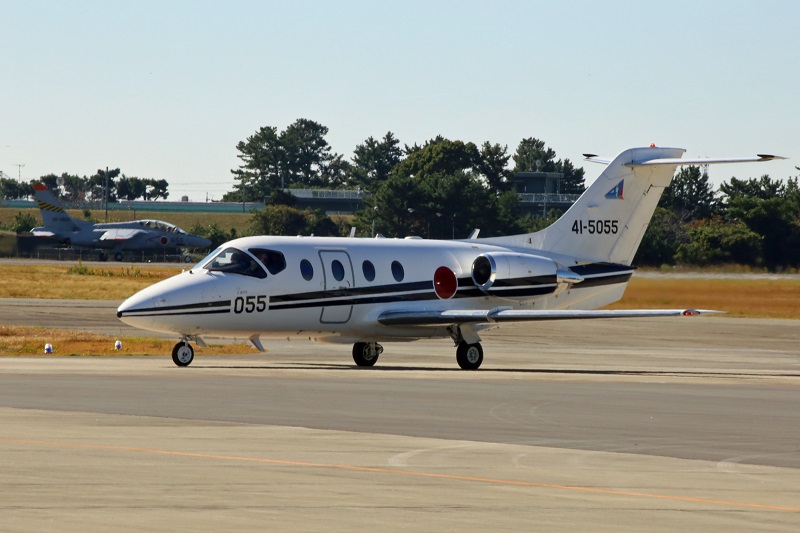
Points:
[(695, 312)]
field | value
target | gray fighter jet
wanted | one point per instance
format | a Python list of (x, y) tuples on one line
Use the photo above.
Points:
[(111, 238)]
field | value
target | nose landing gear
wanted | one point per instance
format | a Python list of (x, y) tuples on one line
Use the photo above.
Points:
[(183, 353)]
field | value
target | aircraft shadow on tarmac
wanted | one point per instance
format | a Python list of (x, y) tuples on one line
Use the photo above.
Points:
[(572, 371)]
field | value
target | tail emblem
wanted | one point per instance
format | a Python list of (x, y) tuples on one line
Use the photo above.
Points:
[(616, 192)]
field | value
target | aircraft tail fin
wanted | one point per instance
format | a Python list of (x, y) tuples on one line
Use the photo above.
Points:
[(54, 217), (608, 221)]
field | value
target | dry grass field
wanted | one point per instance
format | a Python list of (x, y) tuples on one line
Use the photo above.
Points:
[(739, 297), (110, 282), (30, 340)]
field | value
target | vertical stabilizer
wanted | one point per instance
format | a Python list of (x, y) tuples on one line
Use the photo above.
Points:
[(608, 221), (54, 217)]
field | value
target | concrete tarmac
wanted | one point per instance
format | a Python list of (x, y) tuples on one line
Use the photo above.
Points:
[(625, 425)]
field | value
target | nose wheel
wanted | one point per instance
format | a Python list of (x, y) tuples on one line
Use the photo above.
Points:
[(183, 354)]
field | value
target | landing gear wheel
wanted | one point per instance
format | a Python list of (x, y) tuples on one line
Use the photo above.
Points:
[(469, 356), (187, 258), (366, 353), (182, 354), (118, 256), (103, 256)]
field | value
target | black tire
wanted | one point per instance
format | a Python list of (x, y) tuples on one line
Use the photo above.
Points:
[(469, 356), (103, 256), (118, 256), (364, 354), (183, 354)]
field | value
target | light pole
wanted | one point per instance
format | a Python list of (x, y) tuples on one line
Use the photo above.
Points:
[(374, 216)]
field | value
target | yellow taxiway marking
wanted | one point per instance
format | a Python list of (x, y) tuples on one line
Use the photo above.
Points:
[(412, 473)]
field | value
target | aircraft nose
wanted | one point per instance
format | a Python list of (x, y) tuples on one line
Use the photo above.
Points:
[(201, 242), (178, 304)]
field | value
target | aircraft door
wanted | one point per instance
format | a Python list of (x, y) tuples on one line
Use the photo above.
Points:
[(338, 273)]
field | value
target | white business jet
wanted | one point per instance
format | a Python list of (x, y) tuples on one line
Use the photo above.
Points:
[(366, 291)]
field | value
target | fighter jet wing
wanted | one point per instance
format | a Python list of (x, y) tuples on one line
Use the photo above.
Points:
[(120, 234), (502, 314)]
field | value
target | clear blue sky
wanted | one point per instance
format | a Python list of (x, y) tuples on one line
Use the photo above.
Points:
[(165, 89)]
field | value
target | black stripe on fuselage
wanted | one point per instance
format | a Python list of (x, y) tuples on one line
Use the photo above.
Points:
[(176, 313), (203, 308), (405, 292), (598, 281)]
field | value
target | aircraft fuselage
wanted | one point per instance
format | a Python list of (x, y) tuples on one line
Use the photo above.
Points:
[(335, 288)]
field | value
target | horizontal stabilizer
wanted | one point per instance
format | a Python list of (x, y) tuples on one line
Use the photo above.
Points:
[(594, 158), (706, 161), (503, 314)]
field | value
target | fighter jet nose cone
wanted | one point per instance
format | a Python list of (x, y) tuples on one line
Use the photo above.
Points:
[(119, 313)]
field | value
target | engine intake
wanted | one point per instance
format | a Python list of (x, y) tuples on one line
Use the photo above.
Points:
[(515, 276)]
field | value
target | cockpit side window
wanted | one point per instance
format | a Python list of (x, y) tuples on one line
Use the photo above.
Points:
[(272, 259), (234, 261)]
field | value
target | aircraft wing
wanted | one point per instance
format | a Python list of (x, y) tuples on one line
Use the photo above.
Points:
[(120, 234), (427, 318)]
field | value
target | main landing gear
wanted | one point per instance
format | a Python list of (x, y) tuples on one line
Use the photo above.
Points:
[(468, 355), (183, 353), (366, 353), (117, 256)]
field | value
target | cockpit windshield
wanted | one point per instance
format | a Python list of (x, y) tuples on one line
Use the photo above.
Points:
[(161, 226), (234, 261)]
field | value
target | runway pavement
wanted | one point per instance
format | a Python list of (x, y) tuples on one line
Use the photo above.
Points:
[(627, 425)]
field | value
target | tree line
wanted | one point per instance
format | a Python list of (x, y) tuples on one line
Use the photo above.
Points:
[(753, 222), (73, 188), (441, 189), (445, 188)]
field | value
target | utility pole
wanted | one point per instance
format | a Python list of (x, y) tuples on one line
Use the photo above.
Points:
[(105, 194), (19, 171)]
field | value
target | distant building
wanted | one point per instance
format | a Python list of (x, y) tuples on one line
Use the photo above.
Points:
[(541, 191)]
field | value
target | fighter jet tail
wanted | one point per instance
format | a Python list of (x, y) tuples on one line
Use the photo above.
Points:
[(56, 219)]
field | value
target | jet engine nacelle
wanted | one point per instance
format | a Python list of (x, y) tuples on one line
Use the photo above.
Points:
[(517, 276)]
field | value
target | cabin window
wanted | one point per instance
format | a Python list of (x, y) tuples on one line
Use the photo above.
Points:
[(337, 269), (273, 260), (234, 261), (369, 270), (397, 271), (306, 269)]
